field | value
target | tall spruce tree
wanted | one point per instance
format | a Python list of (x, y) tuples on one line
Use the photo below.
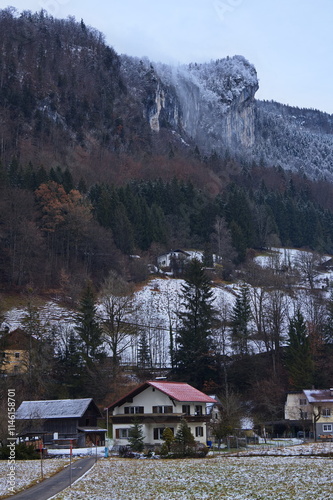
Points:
[(88, 327), (195, 362), (240, 318), (144, 356), (299, 358)]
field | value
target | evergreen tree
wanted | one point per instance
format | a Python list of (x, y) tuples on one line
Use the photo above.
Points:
[(168, 438), (88, 327), (194, 360), (184, 439), (69, 366), (136, 437), (328, 328), (144, 356), (240, 318), (299, 359)]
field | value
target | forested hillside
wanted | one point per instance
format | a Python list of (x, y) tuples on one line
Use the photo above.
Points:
[(51, 226), (297, 139)]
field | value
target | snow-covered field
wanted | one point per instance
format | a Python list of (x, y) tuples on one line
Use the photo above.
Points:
[(27, 472), (278, 448), (280, 473), (233, 477)]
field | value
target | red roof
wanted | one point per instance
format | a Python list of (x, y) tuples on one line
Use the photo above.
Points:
[(179, 391)]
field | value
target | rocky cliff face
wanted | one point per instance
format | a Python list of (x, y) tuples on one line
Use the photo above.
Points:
[(212, 103), (213, 106), (217, 100)]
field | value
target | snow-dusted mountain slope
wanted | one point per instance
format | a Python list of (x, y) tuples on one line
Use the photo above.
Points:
[(157, 302)]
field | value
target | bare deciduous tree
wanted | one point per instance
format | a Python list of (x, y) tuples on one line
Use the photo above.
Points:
[(118, 305)]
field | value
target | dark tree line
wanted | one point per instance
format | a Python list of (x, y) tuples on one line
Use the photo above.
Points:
[(52, 224)]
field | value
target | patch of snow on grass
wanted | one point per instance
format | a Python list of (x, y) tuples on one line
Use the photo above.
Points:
[(241, 478), (28, 472)]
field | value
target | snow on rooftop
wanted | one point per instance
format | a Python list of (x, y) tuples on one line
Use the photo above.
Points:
[(61, 408), (319, 395)]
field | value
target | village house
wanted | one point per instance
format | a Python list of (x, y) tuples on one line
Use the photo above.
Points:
[(15, 351), (213, 410), (157, 405), (61, 423), (311, 411), (175, 260)]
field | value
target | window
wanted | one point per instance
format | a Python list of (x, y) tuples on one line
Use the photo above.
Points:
[(158, 432), (130, 410), (162, 409), (327, 427), (199, 432), (302, 402), (17, 355), (186, 409), (326, 412), (198, 410), (122, 433)]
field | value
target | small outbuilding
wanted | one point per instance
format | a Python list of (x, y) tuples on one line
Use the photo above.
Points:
[(61, 423)]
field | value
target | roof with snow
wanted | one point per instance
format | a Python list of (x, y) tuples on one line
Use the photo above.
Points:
[(55, 408), (319, 395), (179, 391)]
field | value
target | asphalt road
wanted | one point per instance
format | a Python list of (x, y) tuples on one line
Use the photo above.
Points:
[(53, 485)]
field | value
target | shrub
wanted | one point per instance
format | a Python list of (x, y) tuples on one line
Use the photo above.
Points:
[(22, 452)]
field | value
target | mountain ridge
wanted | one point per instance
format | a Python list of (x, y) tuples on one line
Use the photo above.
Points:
[(68, 98)]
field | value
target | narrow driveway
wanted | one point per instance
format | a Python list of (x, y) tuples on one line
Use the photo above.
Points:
[(53, 485)]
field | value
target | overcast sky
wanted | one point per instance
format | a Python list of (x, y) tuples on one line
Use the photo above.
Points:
[(290, 42)]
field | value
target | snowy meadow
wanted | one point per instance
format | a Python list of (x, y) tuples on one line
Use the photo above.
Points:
[(300, 472), (229, 477), (282, 477), (28, 472)]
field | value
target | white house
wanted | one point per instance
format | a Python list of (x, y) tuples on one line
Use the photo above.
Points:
[(176, 259), (321, 402), (314, 408), (157, 405)]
